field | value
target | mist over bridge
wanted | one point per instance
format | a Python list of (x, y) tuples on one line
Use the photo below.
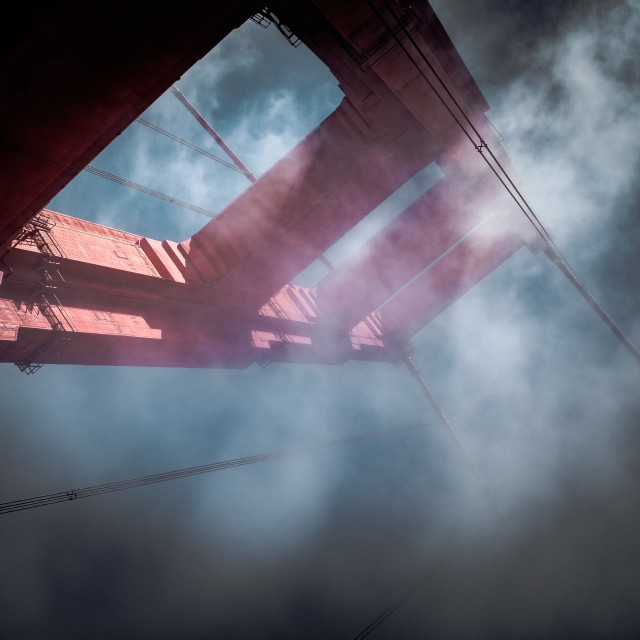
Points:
[(75, 292)]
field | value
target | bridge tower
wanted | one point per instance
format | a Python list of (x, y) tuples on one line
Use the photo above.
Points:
[(76, 292)]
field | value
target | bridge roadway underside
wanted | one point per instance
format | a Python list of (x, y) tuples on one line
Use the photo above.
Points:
[(81, 293)]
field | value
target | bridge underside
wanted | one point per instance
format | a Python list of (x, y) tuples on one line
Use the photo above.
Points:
[(80, 293)]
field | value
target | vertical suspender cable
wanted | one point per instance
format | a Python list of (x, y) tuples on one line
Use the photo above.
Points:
[(414, 370), (558, 259), (552, 251)]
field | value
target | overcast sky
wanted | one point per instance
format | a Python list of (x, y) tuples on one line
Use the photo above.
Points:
[(317, 546)]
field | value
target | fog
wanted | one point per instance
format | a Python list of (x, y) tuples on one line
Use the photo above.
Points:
[(318, 545)]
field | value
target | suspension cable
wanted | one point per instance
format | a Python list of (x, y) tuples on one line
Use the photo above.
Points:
[(414, 370), (552, 250), (175, 138), (480, 144), (372, 626), (75, 494), (213, 133), (150, 192)]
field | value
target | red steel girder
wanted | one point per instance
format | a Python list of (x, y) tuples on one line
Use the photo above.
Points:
[(223, 297)]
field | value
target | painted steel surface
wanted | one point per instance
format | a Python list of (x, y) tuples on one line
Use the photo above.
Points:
[(82, 293)]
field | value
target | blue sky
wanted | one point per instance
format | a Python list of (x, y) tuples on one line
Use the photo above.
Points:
[(318, 545)]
